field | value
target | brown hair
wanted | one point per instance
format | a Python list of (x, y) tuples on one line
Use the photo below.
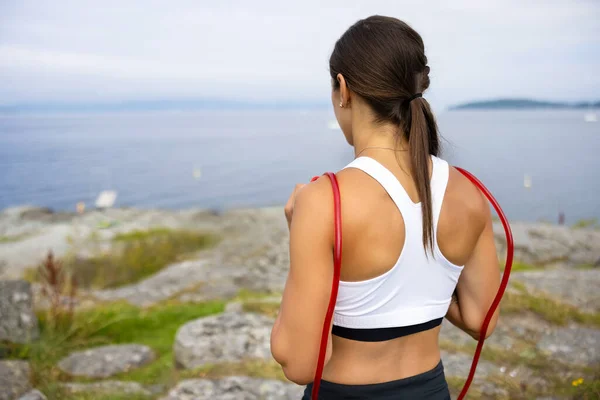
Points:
[(383, 61)]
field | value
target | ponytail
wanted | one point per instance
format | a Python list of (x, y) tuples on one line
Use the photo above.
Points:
[(423, 141)]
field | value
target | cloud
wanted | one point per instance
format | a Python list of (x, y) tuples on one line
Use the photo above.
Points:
[(68, 50)]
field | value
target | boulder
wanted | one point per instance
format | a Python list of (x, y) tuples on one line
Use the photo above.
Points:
[(235, 388), (227, 337), (14, 379), (18, 322), (107, 387), (105, 361), (33, 395)]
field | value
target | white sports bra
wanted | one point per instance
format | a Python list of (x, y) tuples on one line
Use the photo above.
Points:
[(414, 295)]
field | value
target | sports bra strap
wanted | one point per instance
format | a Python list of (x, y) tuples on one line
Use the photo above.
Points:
[(386, 179)]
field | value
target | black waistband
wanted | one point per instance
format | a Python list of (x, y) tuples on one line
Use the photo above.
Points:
[(383, 334), (430, 385)]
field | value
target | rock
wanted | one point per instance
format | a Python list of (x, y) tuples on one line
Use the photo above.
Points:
[(108, 387), (574, 345), (235, 388), (14, 379), (491, 379), (577, 287), (459, 364), (18, 322), (211, 282), (538, 243), (227, 337), (234, 307), (105, 361), (33, 395)]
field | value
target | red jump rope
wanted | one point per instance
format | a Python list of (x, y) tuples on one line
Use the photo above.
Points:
[(337, 264)]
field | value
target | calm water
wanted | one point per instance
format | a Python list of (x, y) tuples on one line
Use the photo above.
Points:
[(254, 158)]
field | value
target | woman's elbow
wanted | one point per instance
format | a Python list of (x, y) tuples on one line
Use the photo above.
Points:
[(298, 375), (292, 367), (475, 331)]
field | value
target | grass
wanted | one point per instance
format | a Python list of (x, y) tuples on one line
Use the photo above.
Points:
[(520, 266), (12, 238), (249, 295), (113, 323), (252, 368), (269, 309), (133, 256), (101, 396), (558, 375), (549, 309), (586, 223), (585, 266)]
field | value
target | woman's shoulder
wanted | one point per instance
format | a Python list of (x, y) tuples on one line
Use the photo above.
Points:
[(463, 197)]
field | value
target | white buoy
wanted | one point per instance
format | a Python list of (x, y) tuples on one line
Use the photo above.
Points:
[(197, 173), (590, 117), (106, 199), (333, 125), (527, 181)]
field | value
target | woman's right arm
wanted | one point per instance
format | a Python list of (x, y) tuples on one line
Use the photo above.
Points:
[(478, 284)]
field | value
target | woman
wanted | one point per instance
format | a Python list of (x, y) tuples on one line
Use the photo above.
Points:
[(417, 236)]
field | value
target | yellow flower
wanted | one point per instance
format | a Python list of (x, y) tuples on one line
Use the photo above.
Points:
[(577, 382)]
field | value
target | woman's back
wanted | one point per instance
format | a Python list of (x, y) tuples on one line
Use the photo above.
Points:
[(374, 239)]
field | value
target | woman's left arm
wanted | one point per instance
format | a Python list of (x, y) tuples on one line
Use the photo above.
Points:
[(296, 334)]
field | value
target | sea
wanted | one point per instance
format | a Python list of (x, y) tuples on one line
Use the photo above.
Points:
[(538, 163)]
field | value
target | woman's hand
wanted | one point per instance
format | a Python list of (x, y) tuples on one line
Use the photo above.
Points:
[(289, 207)]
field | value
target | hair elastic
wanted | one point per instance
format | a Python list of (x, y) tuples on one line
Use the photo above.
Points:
[(414, 96)]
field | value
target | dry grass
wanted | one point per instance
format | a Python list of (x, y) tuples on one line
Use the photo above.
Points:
[(134, 256), (548, 308)]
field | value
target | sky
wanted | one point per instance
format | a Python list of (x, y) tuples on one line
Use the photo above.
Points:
[(58, 51)]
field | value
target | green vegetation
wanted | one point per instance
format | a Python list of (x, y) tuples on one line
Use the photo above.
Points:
[(586, 223), (248, 295), (253, 368), (269, 309), (551, 310), (113, 323), (11, 238), (584, 266), (520, 266), (133, 256), (107, 396)]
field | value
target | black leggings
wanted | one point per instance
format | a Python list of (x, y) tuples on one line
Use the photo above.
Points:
[(430, 385)]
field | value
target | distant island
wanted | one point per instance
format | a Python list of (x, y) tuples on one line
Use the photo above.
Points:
[(517, 104)]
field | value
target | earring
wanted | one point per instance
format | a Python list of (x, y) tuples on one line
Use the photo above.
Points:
[(341, 104)]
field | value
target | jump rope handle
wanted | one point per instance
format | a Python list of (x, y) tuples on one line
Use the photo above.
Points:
[(337, 265)]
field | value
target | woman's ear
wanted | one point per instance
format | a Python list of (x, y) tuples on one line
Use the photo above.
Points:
[(344, 91)]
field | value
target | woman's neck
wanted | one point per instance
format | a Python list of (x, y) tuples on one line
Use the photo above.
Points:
[(379, 142)]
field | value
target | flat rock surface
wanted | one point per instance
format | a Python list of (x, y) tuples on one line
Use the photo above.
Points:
[(228, 337), (18, 322), (109, 386), (33, 395), (577, 287), (14, 379), (105, 361), (574, 345), (540, 243), (235, 388)]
